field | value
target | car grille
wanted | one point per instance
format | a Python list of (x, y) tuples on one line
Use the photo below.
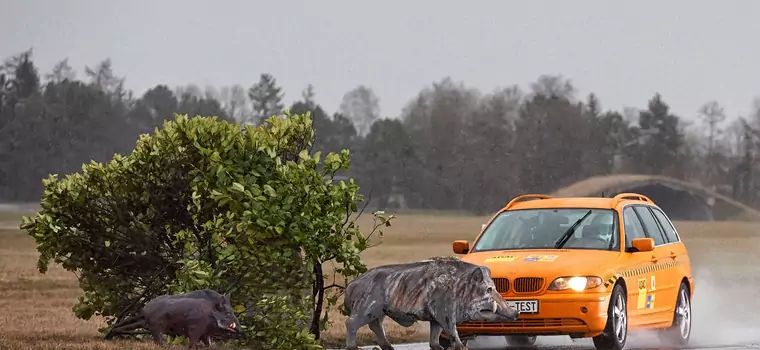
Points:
[(502, 285), (528, 284), (527, 323)]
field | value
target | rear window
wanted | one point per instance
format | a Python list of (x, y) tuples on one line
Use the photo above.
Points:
[(650, 224), (667, 226)]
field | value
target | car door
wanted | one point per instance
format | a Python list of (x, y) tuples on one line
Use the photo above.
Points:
[(660, 279), (635, 270), (674, 255)]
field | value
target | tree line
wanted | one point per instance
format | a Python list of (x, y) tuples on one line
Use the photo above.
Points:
[(452, 147)]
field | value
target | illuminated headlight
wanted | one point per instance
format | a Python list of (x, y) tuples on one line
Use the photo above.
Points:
[(575, 283)]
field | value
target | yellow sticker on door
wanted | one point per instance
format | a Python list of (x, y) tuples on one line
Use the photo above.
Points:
[(642, 301)]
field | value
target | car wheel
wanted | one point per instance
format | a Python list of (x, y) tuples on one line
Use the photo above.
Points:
[(615, 332), (680, 332), (520, 340)]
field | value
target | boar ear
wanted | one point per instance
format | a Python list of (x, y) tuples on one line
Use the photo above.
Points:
[(477, 275), (481, 274), (221, 301)]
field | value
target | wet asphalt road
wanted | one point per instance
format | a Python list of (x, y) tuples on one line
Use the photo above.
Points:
[(564, 343)]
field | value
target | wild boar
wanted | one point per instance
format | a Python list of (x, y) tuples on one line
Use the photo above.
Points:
[(195, 318), (166, 305), (443, 291), (211, 295)]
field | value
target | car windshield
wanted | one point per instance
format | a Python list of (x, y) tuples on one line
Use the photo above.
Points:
[(545, 228)]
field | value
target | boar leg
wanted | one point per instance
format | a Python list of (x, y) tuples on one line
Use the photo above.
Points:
[(451, 330), (435, 336), (193, 335), (206, 340), (353, 324), (157, 336), (362, 314), (376, 326)]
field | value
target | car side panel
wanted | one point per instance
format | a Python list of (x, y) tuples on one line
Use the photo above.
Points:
[(676, 254), (637, 280), (636, 271), (670, 265), (663, 272), (669, 275)]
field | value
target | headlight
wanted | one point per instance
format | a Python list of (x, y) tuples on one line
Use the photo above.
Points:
[(575, 283)]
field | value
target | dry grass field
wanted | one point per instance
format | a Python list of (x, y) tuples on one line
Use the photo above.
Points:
[(36, 309)]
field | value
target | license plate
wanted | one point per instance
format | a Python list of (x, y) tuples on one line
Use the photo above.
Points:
[(524, 306)]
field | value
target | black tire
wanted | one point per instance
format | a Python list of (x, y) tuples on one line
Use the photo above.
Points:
[(617, 319), (521, 341), (679, 333)]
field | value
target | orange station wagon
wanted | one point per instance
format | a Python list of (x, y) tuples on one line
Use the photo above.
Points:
[(584, 267)]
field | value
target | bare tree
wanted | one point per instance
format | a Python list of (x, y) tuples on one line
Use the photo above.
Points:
[(554, 86), (308, 96), (712, 113), (362, 106), (234, 100), (61, 71)]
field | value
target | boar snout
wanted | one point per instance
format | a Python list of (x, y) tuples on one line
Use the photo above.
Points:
[(509, 313), (235, 328), (228, 323), (503, 309)]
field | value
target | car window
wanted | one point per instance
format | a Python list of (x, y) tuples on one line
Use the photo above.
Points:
[(650, 224), (667, 226), (633, 227), (543, 228)]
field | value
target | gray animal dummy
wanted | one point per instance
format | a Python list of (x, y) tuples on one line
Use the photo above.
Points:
[(198, 315), (444, 291)]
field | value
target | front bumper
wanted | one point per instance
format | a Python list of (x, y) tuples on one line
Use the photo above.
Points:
[(558, 314)]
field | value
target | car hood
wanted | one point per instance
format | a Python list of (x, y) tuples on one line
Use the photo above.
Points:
[(548, 263)]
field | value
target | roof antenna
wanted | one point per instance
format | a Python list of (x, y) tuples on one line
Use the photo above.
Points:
[(603, 196)]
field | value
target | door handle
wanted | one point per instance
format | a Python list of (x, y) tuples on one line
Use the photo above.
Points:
[(672, 255), (654, 258)]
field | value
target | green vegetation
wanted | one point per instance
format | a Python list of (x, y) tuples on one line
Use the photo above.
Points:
[(204, 203)]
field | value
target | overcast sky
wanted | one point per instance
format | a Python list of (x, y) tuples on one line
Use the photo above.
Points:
[(689, 51)]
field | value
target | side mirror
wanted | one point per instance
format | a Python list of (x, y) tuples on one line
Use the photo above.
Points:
[(461, 247), (642, 244)]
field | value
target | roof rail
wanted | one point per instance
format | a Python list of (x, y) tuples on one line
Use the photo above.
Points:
[(635, 196), (525, 196)]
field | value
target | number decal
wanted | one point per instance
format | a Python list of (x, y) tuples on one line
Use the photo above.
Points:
[(642, 300)]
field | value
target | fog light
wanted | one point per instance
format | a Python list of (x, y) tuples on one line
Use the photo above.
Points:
[(584, 309)]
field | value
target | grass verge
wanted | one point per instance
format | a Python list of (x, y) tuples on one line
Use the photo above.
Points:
[(37, 308)]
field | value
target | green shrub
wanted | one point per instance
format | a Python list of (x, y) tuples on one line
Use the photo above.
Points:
[(203, 203)]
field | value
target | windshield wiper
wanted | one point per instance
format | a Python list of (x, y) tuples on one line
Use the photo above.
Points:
[(570, 230)]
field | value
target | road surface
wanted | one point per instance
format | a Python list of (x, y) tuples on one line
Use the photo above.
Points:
[(725, 309), (563, 343)]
